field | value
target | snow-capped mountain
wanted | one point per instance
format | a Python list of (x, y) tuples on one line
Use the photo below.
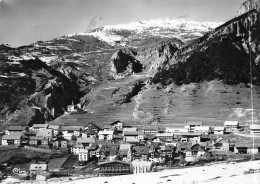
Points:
[(182, 29)]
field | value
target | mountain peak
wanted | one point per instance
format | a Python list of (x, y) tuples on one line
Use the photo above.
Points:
[(183, 29)]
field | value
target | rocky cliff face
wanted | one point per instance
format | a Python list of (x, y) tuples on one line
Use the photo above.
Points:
[(35, 93), (124, 64), (221, 54), (154, 57), (249, 5)]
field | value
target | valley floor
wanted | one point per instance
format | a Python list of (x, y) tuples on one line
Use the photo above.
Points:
[(219, 173), (223, 173)]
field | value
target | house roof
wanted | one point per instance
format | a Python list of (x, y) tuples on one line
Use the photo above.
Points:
[(132, 140), (118, 136), (190, 134), (130, 129), (91, 126), (231, 123), (72, 128), (108, 147), (60, 139), (142, 149), (165, 148), (151, 127), (44, 133), (193, 123), (36, 138), (83, 151), (133, 133), (150, 136), (125, 146), (93, 147), (86, 140), (202, 128), (117, 121), (90, 132), (183, 144), (197, 147), (55, 127), (164, 135), (106, 132), (16, 128), (254, 127), (38, 167), (78, 145), (13, 136), (162, 128), (115, 161), (205, 144), (219, 128), (38, 126)]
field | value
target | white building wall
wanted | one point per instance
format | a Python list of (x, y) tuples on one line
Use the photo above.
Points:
[(76, 133), (17, 142), (252, 150), (219, 132), (141, 137), (110, 137), (4, 142), (83, 156), (67, 135), (101, 137)]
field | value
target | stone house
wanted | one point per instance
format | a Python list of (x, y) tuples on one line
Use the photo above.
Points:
[(192, 125), (219, 130), (231, 124), (55, 128), (69, 131), (135, 134), (141, 153), (34, 168), (14, 138), (84, 155), (92, 127)]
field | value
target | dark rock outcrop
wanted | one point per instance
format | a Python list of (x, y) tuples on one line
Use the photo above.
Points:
[(124, 64), (249, 5), (156, 56)]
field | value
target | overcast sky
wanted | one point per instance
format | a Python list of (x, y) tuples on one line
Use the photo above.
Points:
[(26, 21)]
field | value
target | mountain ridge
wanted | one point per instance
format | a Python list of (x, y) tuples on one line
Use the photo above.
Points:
[(140, 78)]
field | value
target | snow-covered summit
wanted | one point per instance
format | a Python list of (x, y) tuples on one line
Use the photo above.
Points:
[(182, 29), (164, 23)]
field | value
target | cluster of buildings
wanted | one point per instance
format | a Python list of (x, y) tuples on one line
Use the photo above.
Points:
[(122, 149)]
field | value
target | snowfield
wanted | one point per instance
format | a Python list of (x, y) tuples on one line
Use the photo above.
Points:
[(223, 173), (169, 28)]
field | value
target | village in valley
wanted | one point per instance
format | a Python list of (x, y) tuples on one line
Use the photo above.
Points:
[(45, 151)]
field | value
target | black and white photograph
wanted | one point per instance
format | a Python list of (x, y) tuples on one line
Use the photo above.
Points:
[(129, 92)]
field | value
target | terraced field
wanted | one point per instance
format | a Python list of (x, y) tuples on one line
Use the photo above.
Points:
[(211, 102)]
